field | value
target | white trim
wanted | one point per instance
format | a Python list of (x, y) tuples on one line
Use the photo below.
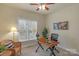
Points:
[(28, 43), (23, 40), (69, 50)]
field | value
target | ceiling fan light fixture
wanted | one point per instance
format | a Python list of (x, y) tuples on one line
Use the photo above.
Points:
[(42, 6)]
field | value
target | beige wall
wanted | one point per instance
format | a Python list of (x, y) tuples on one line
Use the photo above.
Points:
[(68, 38), (9, 16)]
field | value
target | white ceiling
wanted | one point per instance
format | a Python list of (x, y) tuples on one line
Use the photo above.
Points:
[(52, 8)]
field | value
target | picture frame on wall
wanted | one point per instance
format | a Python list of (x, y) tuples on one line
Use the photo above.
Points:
[(61, 25), (55, 26)]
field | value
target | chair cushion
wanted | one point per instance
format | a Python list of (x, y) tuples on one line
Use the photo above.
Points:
[(42, 40)]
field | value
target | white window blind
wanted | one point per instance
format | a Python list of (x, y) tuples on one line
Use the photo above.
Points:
[(27, 29)]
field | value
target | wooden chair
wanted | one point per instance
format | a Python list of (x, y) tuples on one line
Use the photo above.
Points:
[(16, 49)]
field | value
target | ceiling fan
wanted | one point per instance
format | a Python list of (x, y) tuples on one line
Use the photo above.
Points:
[(41, 6)]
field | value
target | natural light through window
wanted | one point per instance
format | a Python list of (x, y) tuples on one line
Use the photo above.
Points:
[(27, 29)]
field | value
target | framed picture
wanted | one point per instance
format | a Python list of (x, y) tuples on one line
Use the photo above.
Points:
[(55, 26), (61, 25)]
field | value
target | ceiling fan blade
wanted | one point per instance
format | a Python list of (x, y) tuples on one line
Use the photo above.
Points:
[(46, 8), (33, 4), (49, 3), (37, 9), (41, 3)]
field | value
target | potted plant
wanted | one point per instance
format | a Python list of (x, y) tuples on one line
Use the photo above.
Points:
[(2, 48), (45, 33)]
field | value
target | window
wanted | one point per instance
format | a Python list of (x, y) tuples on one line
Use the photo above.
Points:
[(27, 29)]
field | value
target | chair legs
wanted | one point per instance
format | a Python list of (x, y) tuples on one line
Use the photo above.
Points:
[(52, 54), (39, 46), (47, 49), (52, 51), (56, 49)]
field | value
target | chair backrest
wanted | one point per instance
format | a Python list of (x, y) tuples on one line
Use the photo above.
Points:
[(42, 40), (54, 36)]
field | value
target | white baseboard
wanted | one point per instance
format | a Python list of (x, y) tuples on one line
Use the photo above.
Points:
[(29, 43), (69, 50)]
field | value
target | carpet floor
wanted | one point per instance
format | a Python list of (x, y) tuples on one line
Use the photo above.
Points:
[(30, 51)]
